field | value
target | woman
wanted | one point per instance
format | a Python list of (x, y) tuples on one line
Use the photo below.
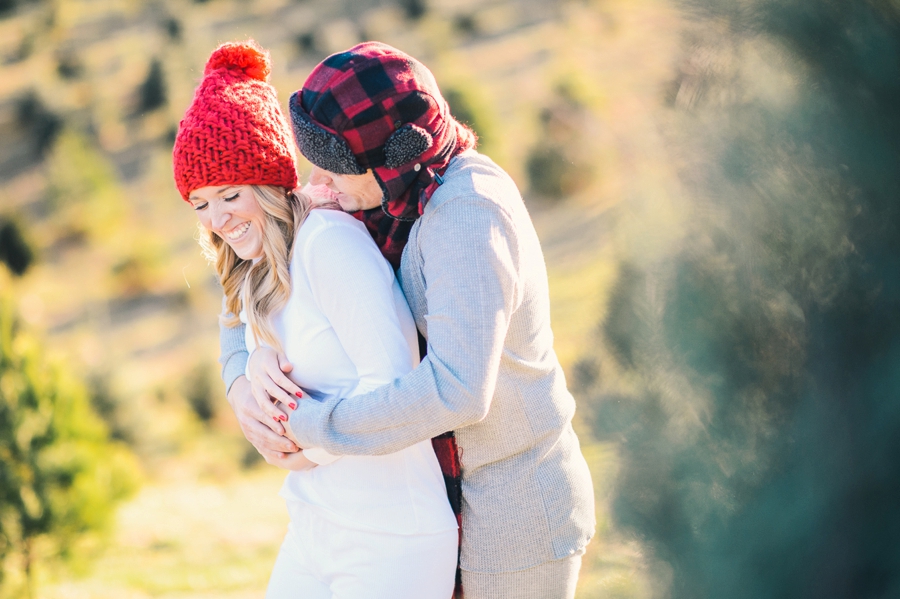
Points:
[(306, 277)]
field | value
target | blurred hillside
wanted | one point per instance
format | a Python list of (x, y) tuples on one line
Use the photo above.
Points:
[(100, 249), (714, 184)]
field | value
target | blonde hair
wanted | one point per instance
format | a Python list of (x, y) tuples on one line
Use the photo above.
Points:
[(262, 287)]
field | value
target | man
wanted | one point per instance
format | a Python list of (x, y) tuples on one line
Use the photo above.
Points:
[(379, 134)]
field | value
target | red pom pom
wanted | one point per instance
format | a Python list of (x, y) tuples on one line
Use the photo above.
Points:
[(247, 57)]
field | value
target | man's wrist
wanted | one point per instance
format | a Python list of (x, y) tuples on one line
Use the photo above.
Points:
[(232, 391)]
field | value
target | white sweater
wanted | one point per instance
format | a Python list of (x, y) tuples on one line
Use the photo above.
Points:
[(347, 330)]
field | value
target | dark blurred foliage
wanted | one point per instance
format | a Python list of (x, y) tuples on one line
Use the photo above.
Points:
[(560, 164), (39, 123), (414, 9), (308, 45), (69, 65), (109, 407), (173, 29), (8, 6), (15, 251), (761, 439), (152, 93), (466, 24), (200, 392)]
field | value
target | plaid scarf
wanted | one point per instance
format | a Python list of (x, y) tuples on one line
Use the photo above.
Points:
[(374, 107)]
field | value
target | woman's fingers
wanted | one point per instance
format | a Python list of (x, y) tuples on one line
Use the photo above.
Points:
[(277, 392), (267, 367), (271, 412)]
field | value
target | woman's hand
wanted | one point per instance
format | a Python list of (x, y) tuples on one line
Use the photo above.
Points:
[(269, 384)]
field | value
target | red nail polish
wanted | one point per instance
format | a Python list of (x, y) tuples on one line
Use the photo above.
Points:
[(283, 417), (277, 419), (293, 406), (298, 394)]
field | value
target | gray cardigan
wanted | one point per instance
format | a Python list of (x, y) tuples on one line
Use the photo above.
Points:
[(474, 275)]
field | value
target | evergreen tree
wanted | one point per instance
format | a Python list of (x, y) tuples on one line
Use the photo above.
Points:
[(760, 437), (60, 476)]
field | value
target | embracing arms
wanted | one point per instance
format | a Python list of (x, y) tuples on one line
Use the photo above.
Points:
[(469, 261)]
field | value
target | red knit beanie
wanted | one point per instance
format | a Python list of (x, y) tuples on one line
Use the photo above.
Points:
[(234, 132)]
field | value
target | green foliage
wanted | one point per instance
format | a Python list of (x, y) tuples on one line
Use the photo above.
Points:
[(560, 163), (60, 476), (7, 6), (760, 433), (15, 251), (414, 9), (153, 94), (199, 391), (83, 190), (42, 125), (469, 106)]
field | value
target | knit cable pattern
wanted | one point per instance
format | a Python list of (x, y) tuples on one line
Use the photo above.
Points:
[(234, 132)]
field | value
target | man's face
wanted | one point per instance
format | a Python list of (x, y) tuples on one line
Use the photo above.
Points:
[(353, 192)]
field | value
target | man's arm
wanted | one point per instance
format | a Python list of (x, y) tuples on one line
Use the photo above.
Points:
[(470, 255), (232, 353)]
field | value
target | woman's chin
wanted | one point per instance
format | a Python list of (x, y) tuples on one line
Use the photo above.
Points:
[(245, 253)]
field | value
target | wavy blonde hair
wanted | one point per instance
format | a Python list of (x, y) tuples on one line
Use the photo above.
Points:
[(261, 288)]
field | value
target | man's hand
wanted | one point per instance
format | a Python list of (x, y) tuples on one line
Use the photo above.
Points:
[(291, 461), (263, 432), (269, 384)]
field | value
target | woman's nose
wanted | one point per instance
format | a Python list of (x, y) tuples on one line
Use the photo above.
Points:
[(219, 214), (319, 177)]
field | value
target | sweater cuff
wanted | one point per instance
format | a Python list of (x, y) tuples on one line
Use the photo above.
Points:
[(304, 422), (233, 367)]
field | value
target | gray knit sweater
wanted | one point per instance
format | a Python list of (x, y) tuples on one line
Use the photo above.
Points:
[(475, 279)]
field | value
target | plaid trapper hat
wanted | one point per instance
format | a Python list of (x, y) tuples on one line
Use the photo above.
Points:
[(374, 107)]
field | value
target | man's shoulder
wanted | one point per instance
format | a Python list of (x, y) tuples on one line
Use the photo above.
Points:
[(474, 176)]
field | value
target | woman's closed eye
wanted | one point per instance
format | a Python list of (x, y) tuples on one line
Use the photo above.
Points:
[(201, 205), (232, 197)]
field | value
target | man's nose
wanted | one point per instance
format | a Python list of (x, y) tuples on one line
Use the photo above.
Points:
[(319, 177)]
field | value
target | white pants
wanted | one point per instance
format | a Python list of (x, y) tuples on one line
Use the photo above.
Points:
[(321, 559)]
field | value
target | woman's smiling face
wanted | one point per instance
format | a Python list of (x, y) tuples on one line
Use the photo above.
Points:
[(233, 213)]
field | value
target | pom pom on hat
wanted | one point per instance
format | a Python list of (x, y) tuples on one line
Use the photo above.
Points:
[(234, 132), (246, 57)]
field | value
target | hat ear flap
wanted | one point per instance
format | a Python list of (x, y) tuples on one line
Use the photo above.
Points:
[(405, 145), (322, 148)]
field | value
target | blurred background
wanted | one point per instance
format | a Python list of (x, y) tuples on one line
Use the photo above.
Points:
[(715, 185)]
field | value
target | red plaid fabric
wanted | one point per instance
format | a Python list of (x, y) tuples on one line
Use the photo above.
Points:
[(374, 107)]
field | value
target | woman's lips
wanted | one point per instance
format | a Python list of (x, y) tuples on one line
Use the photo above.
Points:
[(238, 232)]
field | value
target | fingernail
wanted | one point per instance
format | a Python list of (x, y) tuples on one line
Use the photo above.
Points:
[(298, 394), (277, 418), (293, 406), (282, 417)]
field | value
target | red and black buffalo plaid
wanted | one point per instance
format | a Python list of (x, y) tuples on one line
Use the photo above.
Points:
[(374, 107)]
